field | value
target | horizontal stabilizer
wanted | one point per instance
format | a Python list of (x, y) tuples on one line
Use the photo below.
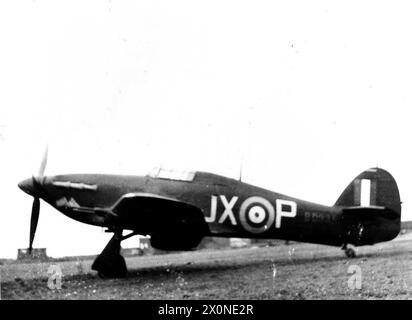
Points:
[(370, 212)]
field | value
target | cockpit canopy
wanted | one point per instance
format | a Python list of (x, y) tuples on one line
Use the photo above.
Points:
[(161, 173)]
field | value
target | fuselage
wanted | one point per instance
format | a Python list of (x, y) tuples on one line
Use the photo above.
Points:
[(230, 208)]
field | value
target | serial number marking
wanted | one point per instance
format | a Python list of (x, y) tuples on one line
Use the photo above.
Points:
[(318, 217)]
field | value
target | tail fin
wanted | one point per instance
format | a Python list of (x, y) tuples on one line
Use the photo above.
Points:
[(372, 188)]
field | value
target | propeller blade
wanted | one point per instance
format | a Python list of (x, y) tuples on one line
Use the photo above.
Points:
[(34, 220), (43, 162)]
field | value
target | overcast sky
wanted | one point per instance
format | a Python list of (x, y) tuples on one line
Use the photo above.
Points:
[(308, 93)]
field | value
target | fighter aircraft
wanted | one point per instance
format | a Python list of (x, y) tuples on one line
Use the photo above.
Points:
[(177, 209)]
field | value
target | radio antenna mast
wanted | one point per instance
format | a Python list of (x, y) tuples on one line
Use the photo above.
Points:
[(241, 168), (246, 128)]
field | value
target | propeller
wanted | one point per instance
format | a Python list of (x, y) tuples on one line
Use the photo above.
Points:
[(43, 162), (35, 211)]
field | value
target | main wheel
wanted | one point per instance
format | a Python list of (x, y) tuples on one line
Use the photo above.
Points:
[(110, 263), (113, 268)]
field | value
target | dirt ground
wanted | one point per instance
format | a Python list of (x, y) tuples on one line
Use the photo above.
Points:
[(295, 271)]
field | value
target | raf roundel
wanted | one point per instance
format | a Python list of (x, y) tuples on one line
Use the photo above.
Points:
[(256, 214)]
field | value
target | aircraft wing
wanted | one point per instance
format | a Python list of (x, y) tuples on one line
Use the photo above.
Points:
[(370, 212), (154, 211), (146, 202)]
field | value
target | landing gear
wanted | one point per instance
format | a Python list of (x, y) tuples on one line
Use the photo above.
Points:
[(350, 251), (110, 263)]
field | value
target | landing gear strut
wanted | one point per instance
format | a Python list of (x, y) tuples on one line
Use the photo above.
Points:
[(110, 263), (349, 250)]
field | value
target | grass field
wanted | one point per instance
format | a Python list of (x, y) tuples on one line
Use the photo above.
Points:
[(296, 271)]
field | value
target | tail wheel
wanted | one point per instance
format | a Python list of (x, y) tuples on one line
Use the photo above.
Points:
[(350, 253)]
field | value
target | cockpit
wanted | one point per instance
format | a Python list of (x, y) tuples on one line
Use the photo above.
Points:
[(161, 173)]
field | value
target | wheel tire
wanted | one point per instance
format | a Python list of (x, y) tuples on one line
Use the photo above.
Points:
[(350, 253), (115, 267)]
